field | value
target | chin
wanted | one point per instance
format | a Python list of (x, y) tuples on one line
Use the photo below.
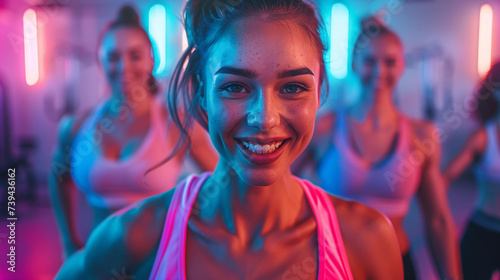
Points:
[(263, 177)]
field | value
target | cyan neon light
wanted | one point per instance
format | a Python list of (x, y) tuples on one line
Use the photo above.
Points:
[(184, 41), (485, 38), (30, 47), (157, 30), (339, 55)]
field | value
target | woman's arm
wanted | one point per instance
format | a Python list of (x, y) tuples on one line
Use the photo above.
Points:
[(474, 146), (439, 225), (62, 189), (371, 243), (123, 245)]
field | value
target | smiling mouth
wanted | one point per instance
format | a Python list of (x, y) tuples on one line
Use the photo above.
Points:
[(262, 149)]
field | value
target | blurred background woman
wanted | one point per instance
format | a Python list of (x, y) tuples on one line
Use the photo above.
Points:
[(480, 245), (107, 152), (372, 153)]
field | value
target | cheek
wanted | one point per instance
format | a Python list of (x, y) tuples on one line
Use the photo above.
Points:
[(302, 117), (224, 116)]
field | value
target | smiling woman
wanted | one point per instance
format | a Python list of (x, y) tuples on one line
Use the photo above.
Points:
[(252, 81)]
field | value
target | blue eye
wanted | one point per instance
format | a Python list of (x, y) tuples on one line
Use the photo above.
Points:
[(293, 89), (234, 88)]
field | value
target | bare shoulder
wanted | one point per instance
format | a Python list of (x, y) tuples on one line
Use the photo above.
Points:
[(359, 219), (370, 241), (69, 127), (129, 238)]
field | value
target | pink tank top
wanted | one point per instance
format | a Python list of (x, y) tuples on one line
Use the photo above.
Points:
[(170, 260), (116, 183), (387, 187)]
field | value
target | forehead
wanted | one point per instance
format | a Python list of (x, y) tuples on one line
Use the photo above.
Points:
[(385, 45), (123, 39), (264, 46)]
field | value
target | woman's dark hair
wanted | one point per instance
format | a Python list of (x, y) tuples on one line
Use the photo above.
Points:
[(373, 27), (487, 108), (128, 17), (205, 21)]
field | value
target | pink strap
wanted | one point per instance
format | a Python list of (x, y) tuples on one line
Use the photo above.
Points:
[(172, 245), (332, 264)]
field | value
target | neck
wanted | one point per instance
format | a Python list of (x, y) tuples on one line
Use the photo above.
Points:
[(129, 108), (377, 108), (251, 211)]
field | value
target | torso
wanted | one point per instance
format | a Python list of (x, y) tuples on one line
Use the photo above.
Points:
[(110, 157), (212, 253), (374, 150)]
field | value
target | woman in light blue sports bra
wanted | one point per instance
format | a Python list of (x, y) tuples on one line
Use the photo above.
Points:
[(480, 245), (373, 153), (106, 153)]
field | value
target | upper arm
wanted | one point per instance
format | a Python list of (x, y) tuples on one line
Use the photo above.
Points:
[(432, 189), (123, 243), (104, 252), (474, 146), (66, 133), (371, 243), (61, 162)]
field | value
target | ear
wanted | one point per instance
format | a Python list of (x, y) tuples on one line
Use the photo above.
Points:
[(203, 101)]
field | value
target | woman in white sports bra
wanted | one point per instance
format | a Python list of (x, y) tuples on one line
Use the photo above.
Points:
[(106, 153), (374, 154), (253, 78), (480, 245)]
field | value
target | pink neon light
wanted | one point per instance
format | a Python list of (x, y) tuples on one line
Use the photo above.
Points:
[(30, 47), (484, 42)]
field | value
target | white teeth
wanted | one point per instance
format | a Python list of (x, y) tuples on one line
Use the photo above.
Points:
[(262, 149)]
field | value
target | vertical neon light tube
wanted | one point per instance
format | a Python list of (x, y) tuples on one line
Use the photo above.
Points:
[(339, 56), (30, 47), (184, 43), (157, 30), (484, 42)]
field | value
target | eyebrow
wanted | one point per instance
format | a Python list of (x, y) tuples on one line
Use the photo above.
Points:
[(295, 72), (237, 71), (251, 74)]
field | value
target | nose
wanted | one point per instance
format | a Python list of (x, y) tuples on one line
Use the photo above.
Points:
[(379, 69), (124, 65), (263, 111)]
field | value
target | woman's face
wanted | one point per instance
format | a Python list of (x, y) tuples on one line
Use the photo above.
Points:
[(261, 95), (379, 64), (125, 56)]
